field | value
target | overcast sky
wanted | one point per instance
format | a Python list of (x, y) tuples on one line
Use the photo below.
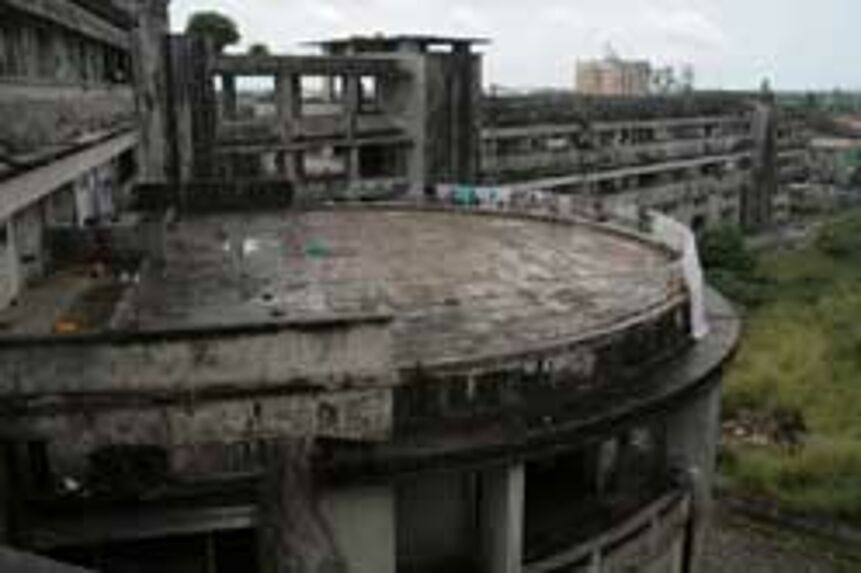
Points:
[(797, 44)]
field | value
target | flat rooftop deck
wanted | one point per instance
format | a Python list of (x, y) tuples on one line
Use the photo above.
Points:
[(458, 284)]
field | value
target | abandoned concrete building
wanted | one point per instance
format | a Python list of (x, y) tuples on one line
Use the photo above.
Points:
[(207, 365), (378, 117)]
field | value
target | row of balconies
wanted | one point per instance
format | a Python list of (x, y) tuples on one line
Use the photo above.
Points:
[(613, 157)]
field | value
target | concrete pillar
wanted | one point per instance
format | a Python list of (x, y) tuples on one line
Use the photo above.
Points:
[(354, 171), (352, 103), (288, 101), (10, 281), (289, 105), (362, 520), (501, 519), (150, 70), (228, 95), (692, 441)]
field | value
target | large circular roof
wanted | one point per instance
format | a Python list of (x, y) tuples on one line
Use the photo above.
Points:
[(459, 285)]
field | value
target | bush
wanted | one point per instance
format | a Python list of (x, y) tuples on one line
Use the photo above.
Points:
[(724, 249), (841, 239)]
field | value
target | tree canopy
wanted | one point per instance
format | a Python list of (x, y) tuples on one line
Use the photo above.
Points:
[(258, 50), (222, 29)]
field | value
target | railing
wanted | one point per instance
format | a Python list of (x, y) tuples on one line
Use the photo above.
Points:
[(649, 535)]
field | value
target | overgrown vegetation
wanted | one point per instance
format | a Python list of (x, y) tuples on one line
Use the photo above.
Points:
[(793, 395)]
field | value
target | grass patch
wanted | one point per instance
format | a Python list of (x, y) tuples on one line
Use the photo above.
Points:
[(821, 477), (801, 353)]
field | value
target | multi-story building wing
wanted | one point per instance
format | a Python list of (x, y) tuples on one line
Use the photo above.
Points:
[(67, 128), (705, 159)]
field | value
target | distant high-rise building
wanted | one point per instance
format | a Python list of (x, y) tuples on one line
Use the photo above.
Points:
[(614, 76)]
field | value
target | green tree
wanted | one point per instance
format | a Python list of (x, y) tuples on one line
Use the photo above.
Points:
[(220, 28), (258, 50), (723, 248)]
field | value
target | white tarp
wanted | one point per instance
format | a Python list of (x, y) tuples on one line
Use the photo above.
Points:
[(680, 238)]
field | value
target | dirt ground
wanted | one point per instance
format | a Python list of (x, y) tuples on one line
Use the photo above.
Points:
[(737, 545)]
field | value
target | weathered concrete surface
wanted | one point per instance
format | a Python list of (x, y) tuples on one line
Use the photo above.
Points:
[(32, 185), (34, 117), (330, 356), (458, 284)]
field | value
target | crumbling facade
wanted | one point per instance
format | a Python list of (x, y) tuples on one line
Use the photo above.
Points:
[(369, 117)]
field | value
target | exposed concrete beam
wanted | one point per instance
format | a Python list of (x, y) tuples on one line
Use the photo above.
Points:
[(309, 65), (72, 17), (19, 192), (625, 172)]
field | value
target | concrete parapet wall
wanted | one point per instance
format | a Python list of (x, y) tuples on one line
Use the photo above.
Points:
[(36, 116), (323, 356), (204, 398)]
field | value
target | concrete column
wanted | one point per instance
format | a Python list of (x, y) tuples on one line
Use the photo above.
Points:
[(354, 172), (10, 281), (692, 442), (150, 69), (288, 101), (501, 519), (228, 95), (352, 103), (363, 527)]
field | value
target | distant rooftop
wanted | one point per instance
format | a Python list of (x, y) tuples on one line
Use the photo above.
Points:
[(380, 42)]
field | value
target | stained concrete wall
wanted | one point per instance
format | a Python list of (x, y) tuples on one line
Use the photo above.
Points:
[(34, 117), (451, 116), (201, 399), (436, 523), (353, 355), (692, 435), (208, 438), (362, 521)]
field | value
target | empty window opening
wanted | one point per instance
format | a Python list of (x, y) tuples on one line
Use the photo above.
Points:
[(380, 161), (322, 95), (255, 97), (369, 94), (325, 162)]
